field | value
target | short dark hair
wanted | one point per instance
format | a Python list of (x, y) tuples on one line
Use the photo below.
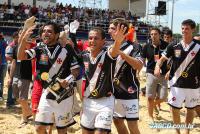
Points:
[(189, 22), (99, 30), (56, 27), (168, 32), (155, 28), (120, 21)]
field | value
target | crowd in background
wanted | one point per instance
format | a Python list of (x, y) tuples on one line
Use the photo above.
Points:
[(88, 17)]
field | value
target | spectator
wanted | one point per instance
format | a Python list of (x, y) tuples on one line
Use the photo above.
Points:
[(21, 84), (3, 64), (168, 36), (9, 56), (152, 52)]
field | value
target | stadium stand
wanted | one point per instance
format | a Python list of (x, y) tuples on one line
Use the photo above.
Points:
[(13, 16)]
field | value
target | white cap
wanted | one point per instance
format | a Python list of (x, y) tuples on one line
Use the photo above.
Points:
[(66, 28)]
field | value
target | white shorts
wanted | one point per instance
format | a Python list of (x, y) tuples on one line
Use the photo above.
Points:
[(126, 109), (49, 111), (97, 113), (198, 100), (178, 95)]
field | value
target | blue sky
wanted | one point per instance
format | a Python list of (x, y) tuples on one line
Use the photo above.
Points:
[(183, 9)]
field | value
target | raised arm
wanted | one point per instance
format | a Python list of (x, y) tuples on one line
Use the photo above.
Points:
[(29, 25), (134, 62), (119, 37), (22, 55)]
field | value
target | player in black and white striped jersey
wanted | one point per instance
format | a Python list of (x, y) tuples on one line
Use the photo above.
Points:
[(184, 75), (125, 83), (98, 100)]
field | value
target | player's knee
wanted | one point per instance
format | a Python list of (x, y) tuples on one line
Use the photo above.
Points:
[(133, 127), (62, 131), (40, 129), (150, 99), (118, 122), (175, 110)]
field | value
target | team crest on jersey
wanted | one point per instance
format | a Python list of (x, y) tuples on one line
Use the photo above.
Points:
[(100, 65), (59, 61), (131, 90), (193, 53), (177, 53), (44, 59), (174, 99)]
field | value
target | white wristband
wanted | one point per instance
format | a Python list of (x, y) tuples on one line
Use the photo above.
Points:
[(70, 78)]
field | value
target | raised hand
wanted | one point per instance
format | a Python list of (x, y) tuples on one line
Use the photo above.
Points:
[(29, 22), (120, 34), (23, 41), (119, 37), (25, 35), (63, 83)]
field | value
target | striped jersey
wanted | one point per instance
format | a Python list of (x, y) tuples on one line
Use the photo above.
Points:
[(125, 81), (189, 77)]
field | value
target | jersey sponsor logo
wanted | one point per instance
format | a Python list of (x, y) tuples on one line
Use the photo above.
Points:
[(195, 100), (193, 53), (105, 118), (177, 53), (131, 90), (131, 108)]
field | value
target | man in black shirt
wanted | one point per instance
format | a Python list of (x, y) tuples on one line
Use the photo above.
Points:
[(152, 52), (20, 83), (168, 36), (56, 67), (184, 75)]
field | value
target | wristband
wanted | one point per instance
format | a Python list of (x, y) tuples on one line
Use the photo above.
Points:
[(70, 78)]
